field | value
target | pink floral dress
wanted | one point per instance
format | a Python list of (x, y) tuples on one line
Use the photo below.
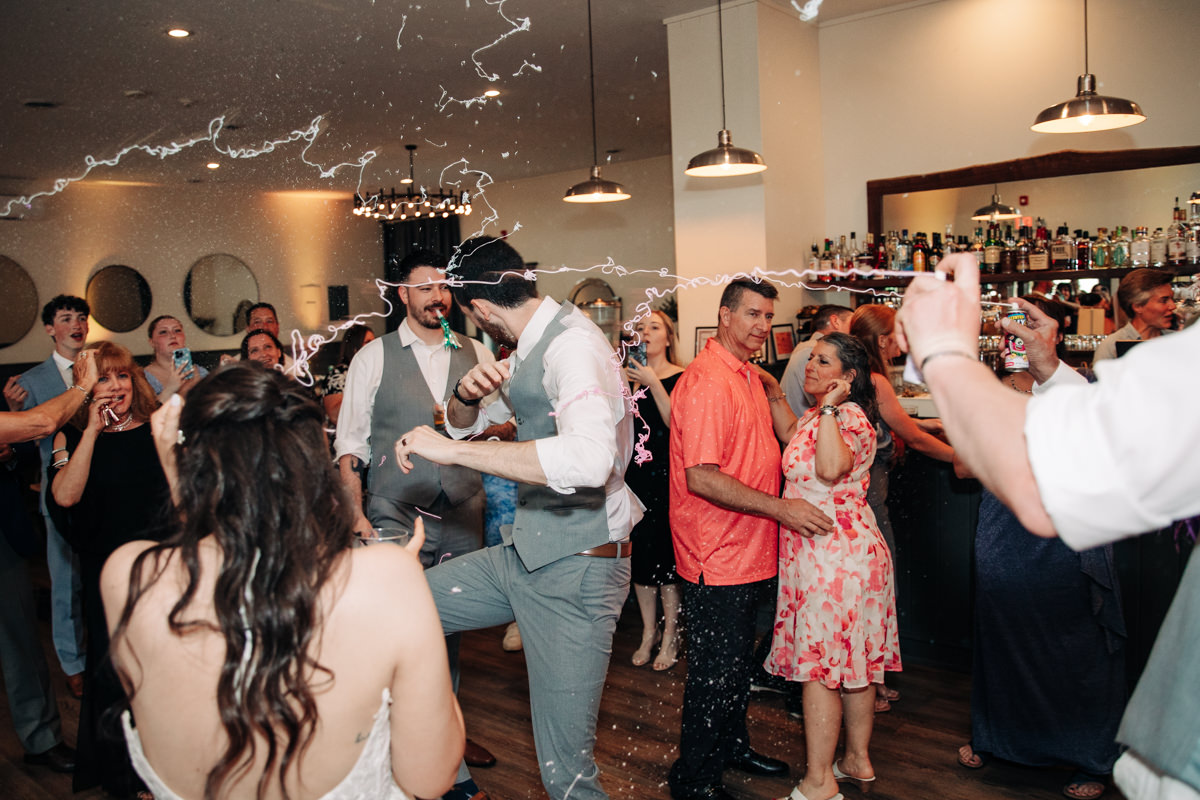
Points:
[(835, 619)]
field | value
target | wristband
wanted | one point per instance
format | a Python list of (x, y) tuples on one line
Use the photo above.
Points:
[(940, 353), (462, 399), (829, 411)]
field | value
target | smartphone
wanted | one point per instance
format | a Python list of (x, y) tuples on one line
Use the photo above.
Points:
[(183, 358), (637, 353)]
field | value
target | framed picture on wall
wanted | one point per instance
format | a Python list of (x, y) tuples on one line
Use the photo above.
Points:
[(783, 340), (702, 337)]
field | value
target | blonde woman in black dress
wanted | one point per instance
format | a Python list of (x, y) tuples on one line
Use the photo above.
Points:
[(654, 555)]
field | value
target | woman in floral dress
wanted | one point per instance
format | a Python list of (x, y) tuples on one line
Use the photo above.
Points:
[(835, 620)]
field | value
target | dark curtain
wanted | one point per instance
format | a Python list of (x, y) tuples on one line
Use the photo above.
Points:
[(440, 234)]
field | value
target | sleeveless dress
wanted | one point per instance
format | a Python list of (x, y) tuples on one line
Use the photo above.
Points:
[(835, 618), (653, 559), (369, 779)]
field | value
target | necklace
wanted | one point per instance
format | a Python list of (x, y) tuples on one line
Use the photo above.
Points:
[(122, 425), (1012, 381)]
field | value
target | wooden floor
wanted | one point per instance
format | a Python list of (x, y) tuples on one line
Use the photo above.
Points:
[(913, 747)]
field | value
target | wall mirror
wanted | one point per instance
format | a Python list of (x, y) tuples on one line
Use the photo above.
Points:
[(1085, 190), (218, 292), (119, 297), (20, 302)]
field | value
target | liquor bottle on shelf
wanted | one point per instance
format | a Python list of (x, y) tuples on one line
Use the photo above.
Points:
[(1193, 244), (890, 247), (827, 262), (1120, 247), (1158, 248), (1101, 250), (1139, 250), (1008, 255), (1083, 250), (903, 252), (1062, 250), (1177, 239), (1023, 249), (1039, 256), (854, 251), (867, 258), (814, 263), (920, 253), (840, 257), (937, 252), (976, 248), (992, 249)]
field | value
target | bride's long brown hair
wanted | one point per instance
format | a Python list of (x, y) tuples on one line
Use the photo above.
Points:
[(255, 474)]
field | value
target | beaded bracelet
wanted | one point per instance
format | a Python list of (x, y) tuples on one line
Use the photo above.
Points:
[(940, 353)]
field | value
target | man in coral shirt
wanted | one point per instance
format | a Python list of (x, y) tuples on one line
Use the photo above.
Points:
[(725, 515)]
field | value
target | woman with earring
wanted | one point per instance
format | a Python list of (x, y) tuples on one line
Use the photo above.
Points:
[(653, 567), (108, 488)]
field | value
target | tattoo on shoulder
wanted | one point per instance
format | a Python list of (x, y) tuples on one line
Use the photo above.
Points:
[(360, 737)]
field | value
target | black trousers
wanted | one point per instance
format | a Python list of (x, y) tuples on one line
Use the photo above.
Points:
[(720, 625)]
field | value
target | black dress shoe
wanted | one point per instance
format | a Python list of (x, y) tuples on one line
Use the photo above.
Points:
[(59, 758), (476, 755), (758, 764), (714, 792)]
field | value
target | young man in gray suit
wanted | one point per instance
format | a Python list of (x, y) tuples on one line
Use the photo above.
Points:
[(562, 570), (394, 383), (66, 321)]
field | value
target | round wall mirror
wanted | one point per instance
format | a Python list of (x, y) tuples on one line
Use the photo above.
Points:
[(20, 302), (218, 291), (119, 297)]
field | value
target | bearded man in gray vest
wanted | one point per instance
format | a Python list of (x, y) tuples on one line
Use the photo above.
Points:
[(562, 571), (394, 383)]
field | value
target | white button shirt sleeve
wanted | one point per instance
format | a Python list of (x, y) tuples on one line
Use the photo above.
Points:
[(354, 419), (1116, 458)]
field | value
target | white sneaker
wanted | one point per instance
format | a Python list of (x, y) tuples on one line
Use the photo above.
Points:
[(512, 638)]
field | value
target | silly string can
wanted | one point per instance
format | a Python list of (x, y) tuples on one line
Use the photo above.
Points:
[(1016, 359)]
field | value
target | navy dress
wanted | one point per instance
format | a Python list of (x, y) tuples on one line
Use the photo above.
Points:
[(1048, 682), (653, 552)]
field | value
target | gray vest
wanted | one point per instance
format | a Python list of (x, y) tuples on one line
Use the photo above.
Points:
[(548, 525), (403, 402)]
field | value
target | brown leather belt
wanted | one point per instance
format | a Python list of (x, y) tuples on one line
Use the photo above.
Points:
[(610, 550)]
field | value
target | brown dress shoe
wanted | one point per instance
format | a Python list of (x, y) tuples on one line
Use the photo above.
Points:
[(476, 755), (75, 685)]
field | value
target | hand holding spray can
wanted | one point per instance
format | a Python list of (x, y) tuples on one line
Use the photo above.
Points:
[(1016, 359)]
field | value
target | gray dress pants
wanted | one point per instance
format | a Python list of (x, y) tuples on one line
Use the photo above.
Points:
[(567, 611)]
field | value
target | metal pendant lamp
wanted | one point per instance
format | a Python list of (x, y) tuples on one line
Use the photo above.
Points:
[(1088, 111), (595, 189), (994, 210), (724, 160)]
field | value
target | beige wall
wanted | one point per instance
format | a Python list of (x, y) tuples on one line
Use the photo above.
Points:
[(637, 234), (949, 84), (295, 243)]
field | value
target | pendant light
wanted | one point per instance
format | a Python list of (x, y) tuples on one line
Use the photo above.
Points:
[(725, 159), (595, 189), (1088, 111), (994, 210)]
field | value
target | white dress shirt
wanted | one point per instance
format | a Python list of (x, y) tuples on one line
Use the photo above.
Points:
[(595, 432), (66, 368), (1118, 457), (365, 375)]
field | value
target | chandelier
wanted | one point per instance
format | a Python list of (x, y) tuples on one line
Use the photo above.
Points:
[(411, 204)]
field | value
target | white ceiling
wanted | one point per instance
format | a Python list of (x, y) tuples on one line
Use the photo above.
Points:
[(378, 73)]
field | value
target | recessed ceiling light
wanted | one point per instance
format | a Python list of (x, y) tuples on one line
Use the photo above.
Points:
[(492, 93), (179, 33), (213, 165), (38, 103)]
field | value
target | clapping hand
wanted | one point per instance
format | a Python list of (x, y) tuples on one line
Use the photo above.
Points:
[(15, 394)]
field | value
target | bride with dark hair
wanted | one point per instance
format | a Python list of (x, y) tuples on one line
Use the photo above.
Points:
[(326, 662)]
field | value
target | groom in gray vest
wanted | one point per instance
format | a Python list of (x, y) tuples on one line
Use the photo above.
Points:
[(562, 571), (394, 383)]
